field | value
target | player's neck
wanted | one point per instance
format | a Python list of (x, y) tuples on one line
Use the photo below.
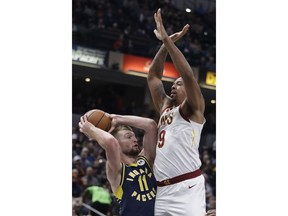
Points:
[(129, 159), (175, 105)]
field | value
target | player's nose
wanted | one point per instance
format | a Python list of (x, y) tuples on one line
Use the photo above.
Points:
[(173, 86)]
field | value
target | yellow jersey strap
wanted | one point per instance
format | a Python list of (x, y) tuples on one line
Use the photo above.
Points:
[(119, 191), (122, 174)]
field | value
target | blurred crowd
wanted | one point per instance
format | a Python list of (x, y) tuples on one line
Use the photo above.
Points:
[(127, 26)]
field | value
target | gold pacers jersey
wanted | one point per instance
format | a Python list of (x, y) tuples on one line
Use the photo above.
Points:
[(177, 147), (137, 190)]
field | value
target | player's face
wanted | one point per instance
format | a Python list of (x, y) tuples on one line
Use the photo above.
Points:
[(178, 93), (128, 143)]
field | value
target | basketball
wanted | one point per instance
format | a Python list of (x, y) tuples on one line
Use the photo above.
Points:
[(99, 119)]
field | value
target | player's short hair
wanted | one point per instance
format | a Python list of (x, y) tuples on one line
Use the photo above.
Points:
[(120, 128)]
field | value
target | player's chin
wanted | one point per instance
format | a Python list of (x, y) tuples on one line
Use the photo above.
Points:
[(134, 152), (136, 149), (173, 97)]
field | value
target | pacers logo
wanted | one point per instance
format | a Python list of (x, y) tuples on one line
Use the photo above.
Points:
[(141, 162), (142, 180)]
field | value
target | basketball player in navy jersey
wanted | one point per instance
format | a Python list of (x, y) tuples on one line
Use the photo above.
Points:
[(181, 186), (128, 170)]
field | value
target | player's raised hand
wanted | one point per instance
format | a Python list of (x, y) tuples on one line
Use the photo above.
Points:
[(176, 36), (85, 126), (160, 32)]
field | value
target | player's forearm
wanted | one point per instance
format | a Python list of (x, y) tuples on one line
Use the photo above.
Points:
[(102, 137), (145, 124), (157, 66), (178, 58)]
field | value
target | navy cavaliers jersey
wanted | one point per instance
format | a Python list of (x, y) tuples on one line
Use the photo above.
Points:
[(137, 190)]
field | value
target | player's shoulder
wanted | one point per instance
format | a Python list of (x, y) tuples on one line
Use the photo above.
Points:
[(143, 160), (166, 105), (189, 114)]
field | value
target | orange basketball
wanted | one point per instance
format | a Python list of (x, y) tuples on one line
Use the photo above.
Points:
[(99, 119)]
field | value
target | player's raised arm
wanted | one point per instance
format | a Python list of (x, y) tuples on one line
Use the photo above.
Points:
[(195, 105), (149, 127), (111, 147), (156, 72), (154, 78)]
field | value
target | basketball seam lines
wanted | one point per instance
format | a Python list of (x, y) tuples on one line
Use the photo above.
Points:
[(100, 119)]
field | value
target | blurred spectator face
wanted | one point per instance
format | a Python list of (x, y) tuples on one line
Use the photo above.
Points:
[(77, 160), (84, 153), (212, 202), (205, 158), (96, 164), (74, 174), (85, 149), (89, 171), (90, 146)]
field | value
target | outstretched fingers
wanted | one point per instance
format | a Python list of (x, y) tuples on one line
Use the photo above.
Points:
[(160, 31), (158, 18), (176, 36), (83, 120), (185, 29)]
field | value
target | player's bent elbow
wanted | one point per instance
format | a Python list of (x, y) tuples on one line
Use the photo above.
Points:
[(152, 124)]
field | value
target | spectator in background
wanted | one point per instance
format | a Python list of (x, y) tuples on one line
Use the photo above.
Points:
[(78, 165), (77, 188), (212, 202), (100, 170), (90, 152), (89, 178), (99, 198), (136, 14), (84, 161)]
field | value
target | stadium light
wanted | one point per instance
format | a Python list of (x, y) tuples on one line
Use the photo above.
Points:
[(188, 10)]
